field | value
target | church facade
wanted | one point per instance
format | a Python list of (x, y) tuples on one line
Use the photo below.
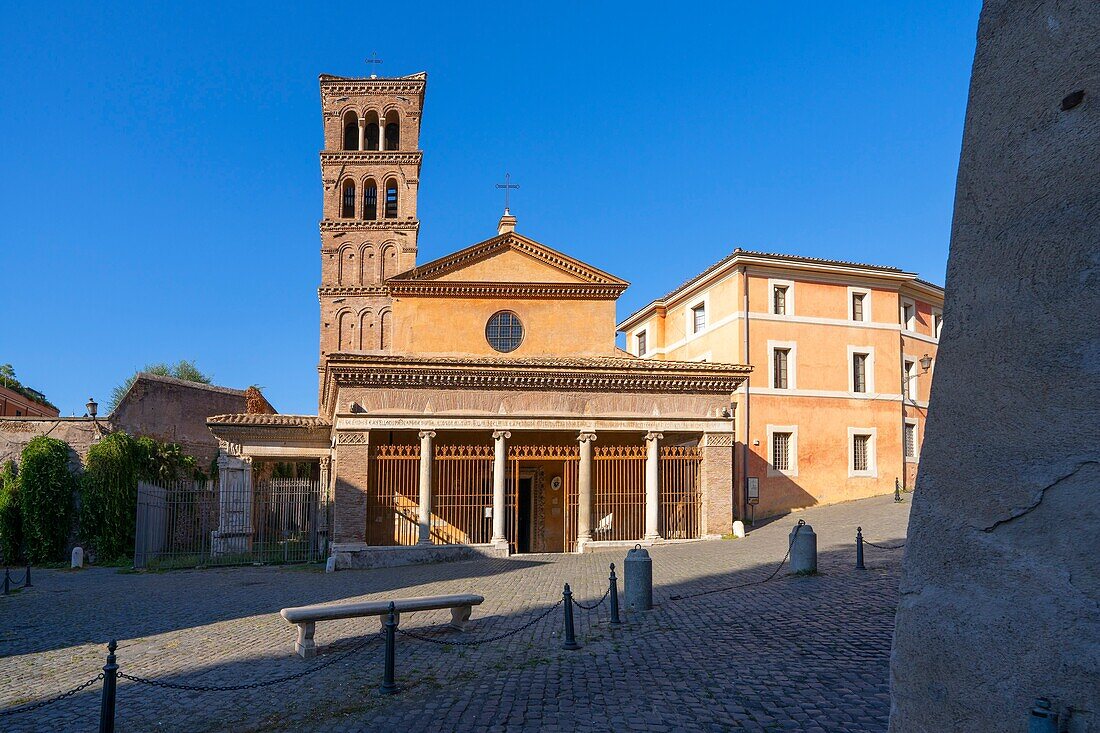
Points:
[(478, 402)]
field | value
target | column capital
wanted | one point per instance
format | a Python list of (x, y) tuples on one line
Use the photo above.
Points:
[(362, 121), (654, 435), (427, 434), (501, 434), (326, 462), (586, 436)]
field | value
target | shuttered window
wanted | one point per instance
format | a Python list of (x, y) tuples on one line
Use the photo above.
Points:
[(857, 306), (779, 296), (699, 318), (859, 372), (910, 440), (780, 359)]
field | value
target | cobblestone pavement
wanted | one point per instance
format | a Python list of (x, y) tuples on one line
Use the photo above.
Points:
[(797, 653)]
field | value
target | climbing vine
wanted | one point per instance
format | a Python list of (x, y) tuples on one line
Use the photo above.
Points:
[(46, 488), (11, 520)]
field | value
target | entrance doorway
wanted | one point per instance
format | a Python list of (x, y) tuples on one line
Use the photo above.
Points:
[(526, 514)]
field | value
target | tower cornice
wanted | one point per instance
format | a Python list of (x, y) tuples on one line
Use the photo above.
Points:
[(372, 157)]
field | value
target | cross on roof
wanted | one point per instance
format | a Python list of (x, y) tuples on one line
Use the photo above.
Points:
[(507, 186), (373, 60)]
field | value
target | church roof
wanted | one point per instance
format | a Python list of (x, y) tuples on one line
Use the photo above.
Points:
[(292, 421), (581, 273)]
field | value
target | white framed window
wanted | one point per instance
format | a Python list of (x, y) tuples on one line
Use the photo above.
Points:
[(641, 342), (861, 369), (909, 439), (859, 305), (783, 364), (908, 379), (781, 297), (698, 318), (908, 315), (862, 449), (937, 322), (782, 450)]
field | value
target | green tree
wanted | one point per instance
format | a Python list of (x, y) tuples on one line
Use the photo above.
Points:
[(11, 518), (108, 488), (45, 490), (184, 369)]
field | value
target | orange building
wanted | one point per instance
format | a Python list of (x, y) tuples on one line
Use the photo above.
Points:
[(19, 401), (842, 355)]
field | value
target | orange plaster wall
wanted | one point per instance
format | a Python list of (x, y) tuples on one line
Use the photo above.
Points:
[(822, 366), (424, 325)]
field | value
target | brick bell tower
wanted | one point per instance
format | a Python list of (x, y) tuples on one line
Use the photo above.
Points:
[(370, 169)]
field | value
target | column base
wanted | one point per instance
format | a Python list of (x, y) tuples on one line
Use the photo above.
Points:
[(582, 542), (652, 537), (501, 543)]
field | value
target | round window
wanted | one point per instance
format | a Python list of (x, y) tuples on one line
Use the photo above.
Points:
[(504, 332)]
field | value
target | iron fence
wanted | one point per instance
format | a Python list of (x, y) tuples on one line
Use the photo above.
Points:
[(198, 523)]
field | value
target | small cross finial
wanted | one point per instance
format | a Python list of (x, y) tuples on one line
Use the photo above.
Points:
[(373, 60), (508, 186)]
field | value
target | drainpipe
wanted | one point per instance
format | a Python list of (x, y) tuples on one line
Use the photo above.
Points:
[(748, 426), (905, 384)]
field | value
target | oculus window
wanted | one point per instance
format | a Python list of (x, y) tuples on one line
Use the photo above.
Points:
[(504, 332)]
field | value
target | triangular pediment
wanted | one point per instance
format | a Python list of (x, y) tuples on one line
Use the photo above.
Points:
[(509, 258)]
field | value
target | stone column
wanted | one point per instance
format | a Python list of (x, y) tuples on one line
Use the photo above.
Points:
[(427, 460), (500, 478), (652, 484), (323, 484), (234, 532), (381, 137), (584, 490), (362, 133)]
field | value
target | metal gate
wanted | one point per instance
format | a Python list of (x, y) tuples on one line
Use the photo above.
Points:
[(618, 492), (394, 503), (184, 524), (569, 456), (462, 495), (680, 505)]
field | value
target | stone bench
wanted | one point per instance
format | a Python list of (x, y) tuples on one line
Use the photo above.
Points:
[(306, 617)]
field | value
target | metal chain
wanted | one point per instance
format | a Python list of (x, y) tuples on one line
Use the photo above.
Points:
[(476, 642), (751, 582), (56, 698), (884, 547), (253, 685), (595, 605)]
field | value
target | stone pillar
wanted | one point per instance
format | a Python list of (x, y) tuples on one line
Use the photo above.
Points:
[(716, 483), (323, 480), (427, 460), (500, 479), (381, 138), (652, 484), (234, 532), (1000, 563), (362, 133), (584, 490), (352, 487)]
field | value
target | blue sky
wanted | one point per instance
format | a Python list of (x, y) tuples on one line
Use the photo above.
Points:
[(160, 189)]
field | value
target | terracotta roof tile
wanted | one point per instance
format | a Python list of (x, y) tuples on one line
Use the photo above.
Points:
[(295, 421)]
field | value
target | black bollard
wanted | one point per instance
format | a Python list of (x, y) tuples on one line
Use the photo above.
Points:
[(388, 685), (859, 549), (897, 490), (27, 582), (107, 702), (614, 596), (570, 637)]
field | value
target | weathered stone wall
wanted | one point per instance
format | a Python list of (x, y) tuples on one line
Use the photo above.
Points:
[(1001, 589), (175, 411), (170, 410), (79, 432)]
